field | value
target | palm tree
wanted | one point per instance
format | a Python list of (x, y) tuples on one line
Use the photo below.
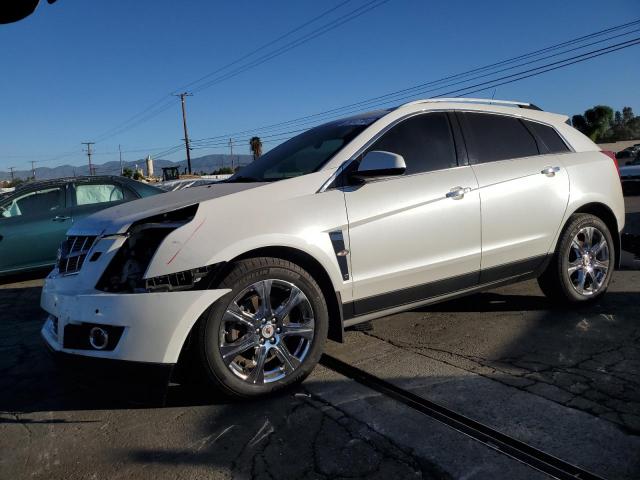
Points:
[(256, 147)]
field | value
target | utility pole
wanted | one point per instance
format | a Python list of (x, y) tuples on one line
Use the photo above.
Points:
[(184, 125), (33, 169), (89, 152), (11, 172), (120, 151), (231, 151)]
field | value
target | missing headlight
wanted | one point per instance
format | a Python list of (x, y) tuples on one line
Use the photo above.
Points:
[(187, 280), (126, 270)]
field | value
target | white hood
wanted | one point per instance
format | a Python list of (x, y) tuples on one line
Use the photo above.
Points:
[(119, 218)]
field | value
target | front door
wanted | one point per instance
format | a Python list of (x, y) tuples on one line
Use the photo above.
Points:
[(410, 238), (32, 226)]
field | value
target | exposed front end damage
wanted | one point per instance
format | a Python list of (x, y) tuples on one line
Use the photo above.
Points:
[(103, 311)]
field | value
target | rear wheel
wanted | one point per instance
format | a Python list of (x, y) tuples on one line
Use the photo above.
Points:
[(581, 268), (268, 332)]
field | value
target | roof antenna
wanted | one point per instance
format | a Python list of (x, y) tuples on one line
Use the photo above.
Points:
[(494, 95)]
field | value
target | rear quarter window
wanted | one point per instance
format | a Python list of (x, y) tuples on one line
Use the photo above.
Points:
[(551, 141)]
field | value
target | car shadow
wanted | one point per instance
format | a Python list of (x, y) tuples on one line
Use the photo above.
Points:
[(24, 276)]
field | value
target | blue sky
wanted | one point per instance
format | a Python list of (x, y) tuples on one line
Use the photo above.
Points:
[(77, 69)]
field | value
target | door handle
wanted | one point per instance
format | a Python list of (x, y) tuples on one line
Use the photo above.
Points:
[(457, 193), (550, 171), (60, 218)]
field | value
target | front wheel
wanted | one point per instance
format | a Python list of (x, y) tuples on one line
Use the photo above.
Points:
[(581, 268), (268, 332)]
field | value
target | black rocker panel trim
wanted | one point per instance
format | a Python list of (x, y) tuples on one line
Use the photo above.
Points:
[(337, 240), (447, 286), (512, 269)]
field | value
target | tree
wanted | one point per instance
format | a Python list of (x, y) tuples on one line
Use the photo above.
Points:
[(618, 122), (15, 182), (127, 172), (602, 125), (595, 123), (256, 147)]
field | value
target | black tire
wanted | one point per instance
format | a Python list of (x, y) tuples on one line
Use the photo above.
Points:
[(242, 275), (555, 282)]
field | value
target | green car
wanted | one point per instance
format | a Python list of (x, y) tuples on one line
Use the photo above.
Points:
[(35, 217)]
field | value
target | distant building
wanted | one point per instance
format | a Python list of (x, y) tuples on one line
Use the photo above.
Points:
[(149, 166)]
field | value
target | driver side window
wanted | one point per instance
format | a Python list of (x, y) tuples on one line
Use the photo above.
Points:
[(34, 203), (424, 141)]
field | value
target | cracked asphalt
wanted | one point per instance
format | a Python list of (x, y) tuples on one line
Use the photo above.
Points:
[(564, 381)]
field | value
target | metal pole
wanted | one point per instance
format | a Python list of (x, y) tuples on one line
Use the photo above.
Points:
[(89, 152), (120, 152), (184, 125)]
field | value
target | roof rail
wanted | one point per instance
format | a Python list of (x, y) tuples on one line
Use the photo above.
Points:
[(476, 100)]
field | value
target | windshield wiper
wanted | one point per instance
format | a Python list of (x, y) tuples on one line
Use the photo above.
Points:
[(243, 179)]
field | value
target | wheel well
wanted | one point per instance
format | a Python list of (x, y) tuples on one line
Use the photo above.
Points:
[(317, 271), (605, 214)]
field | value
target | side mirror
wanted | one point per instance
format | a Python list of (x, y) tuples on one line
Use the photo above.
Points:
[(378, 164)]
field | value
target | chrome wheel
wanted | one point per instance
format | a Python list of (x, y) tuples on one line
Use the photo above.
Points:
[(588, 261), (266, 331)]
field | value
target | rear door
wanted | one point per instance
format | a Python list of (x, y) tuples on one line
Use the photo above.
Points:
[(32, 226), (524, 191), (410, 238)]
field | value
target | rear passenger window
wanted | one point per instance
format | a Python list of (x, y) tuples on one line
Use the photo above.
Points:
[(549, 137), (424, 141), (87, 194), (492, 137)]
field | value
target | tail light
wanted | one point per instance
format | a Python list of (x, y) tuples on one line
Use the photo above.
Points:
[(612, 156)]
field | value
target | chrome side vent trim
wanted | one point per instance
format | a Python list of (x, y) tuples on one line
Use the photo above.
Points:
[(337, 240)]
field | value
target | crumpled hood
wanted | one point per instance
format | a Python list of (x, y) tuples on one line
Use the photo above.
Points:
[(119, 218)]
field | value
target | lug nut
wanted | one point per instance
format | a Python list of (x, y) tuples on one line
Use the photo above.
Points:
[(264, 320), (262, 341), (257, 330), (273, 340), (277, 330)]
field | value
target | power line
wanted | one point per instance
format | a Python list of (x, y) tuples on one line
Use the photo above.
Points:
[(507, 79), (296, 43), (268, 44), (163, 105), (420, 88)]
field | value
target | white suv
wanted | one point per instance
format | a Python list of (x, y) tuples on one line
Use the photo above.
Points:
[(349, 221)]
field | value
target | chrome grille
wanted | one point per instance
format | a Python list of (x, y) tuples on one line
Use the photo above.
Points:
[(73, 252)]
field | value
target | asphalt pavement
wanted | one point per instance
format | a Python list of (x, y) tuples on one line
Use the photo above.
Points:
[(564, 381)]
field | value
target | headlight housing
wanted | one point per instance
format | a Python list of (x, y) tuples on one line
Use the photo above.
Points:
[(125, 272)]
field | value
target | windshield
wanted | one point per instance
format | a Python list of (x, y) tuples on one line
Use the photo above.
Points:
[(306, 152)]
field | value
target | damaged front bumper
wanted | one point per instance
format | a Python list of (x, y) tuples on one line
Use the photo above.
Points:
[(142, 327)]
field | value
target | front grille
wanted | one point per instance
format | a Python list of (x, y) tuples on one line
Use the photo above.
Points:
[(73, 251)]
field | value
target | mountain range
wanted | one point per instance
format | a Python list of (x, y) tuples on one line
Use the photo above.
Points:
[(207, 164)]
